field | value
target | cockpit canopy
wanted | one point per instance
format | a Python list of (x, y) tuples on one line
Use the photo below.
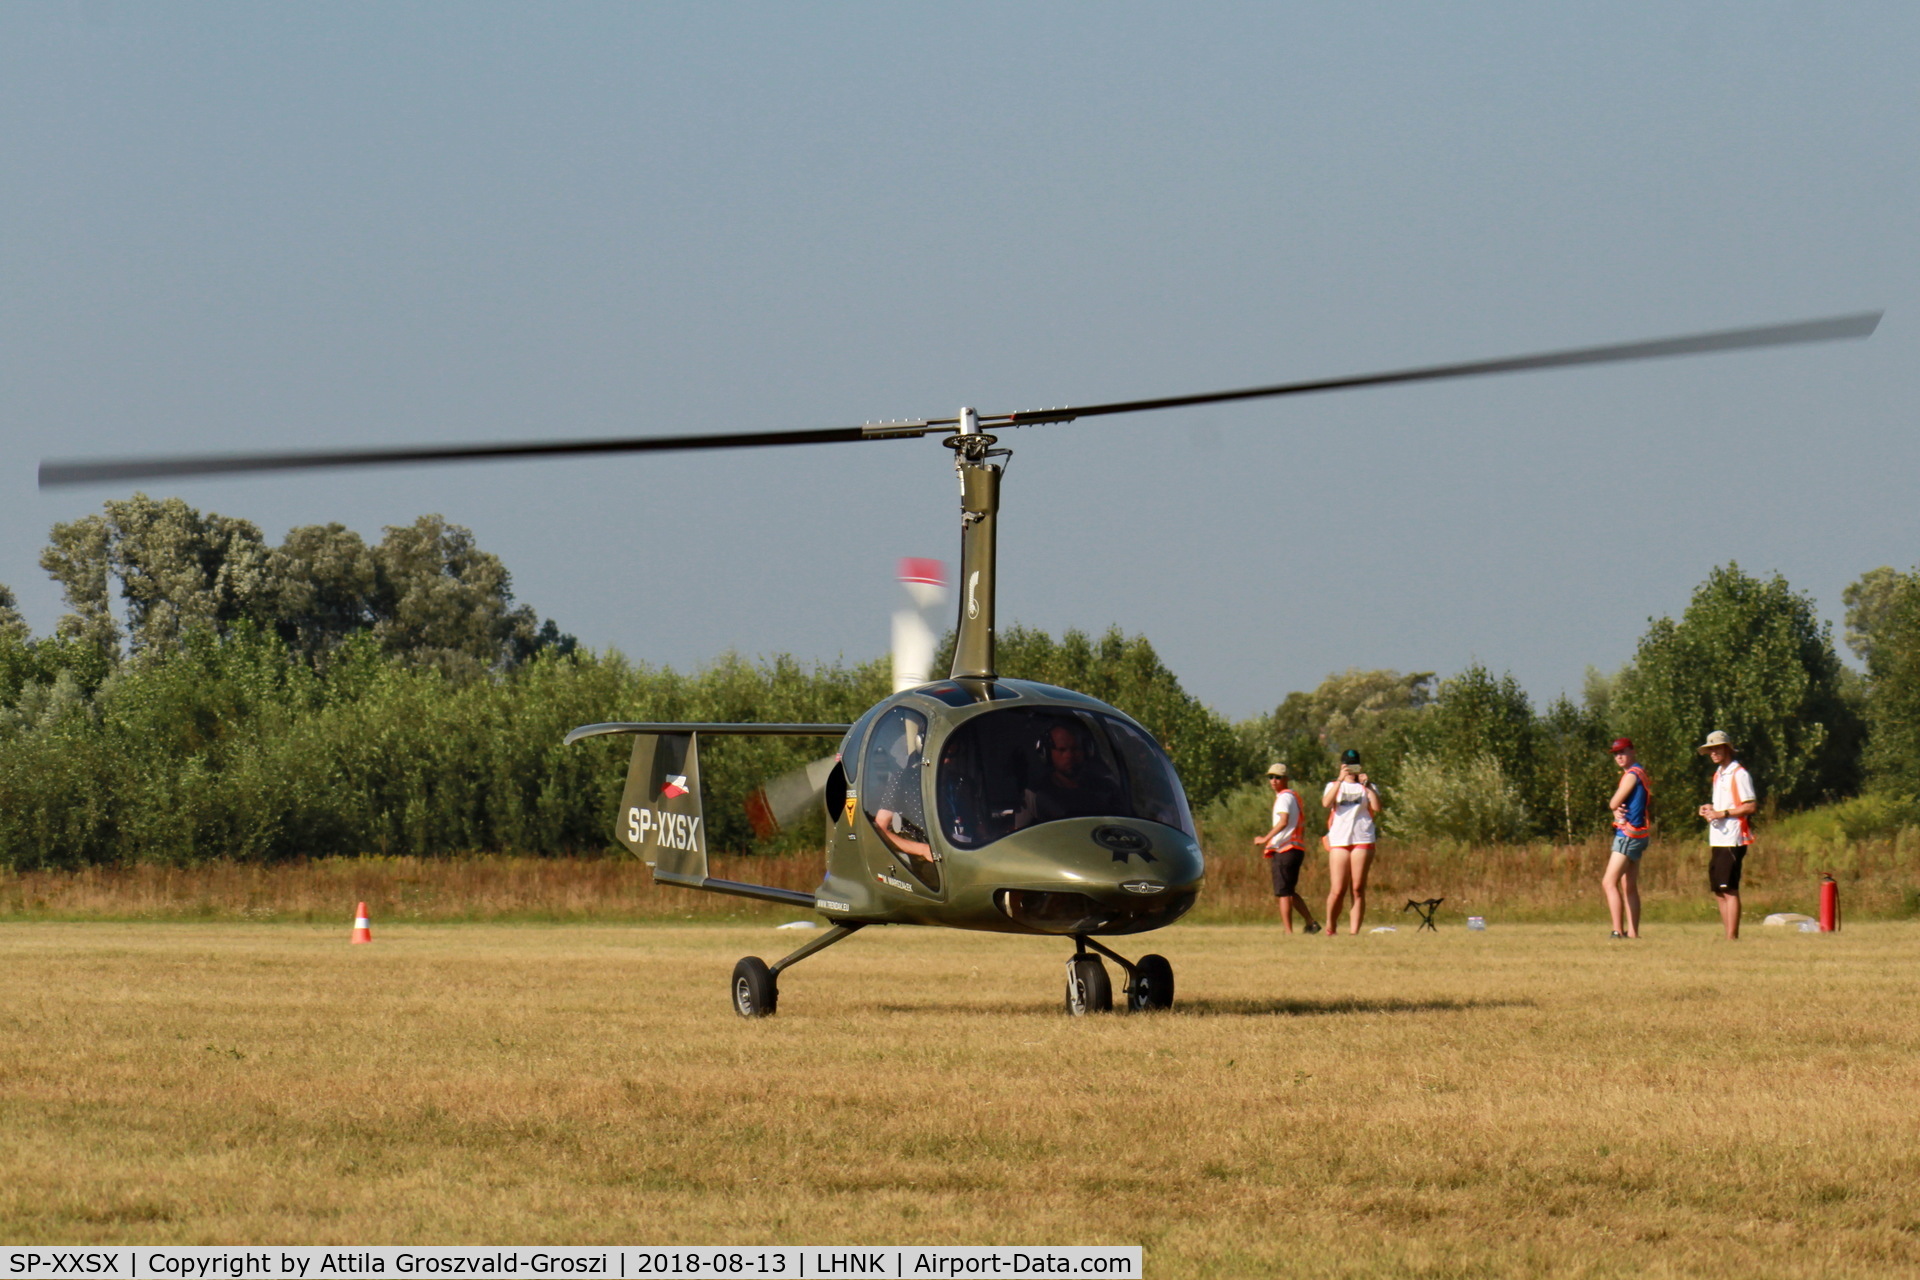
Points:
[(1005, 771)]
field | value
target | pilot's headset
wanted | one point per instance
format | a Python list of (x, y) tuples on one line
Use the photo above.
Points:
[(1043, 745)]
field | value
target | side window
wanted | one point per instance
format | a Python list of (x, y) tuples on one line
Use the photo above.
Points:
[(850, 748), (891, 793)]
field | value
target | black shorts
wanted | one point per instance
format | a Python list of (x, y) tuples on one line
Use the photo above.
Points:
[(1286, 870), (1723, 869)]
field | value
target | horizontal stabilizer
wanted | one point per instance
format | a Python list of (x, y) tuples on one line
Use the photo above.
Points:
[(748, 728)]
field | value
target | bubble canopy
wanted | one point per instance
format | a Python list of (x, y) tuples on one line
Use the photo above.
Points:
[(1006, 771)]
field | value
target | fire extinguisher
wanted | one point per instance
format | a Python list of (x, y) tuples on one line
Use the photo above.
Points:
[(1829, 904)]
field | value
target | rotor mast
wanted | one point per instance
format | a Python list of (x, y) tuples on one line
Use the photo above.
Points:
[(973, 455)]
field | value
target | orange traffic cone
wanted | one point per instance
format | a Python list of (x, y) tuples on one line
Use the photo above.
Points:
[(362, 931)]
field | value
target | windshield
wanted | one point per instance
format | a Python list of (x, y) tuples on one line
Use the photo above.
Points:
[(1008, 770)]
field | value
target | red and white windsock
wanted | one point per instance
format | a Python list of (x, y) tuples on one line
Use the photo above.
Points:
[(913, 634)]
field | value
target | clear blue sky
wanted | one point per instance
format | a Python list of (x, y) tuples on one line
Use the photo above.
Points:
[(258, 226)]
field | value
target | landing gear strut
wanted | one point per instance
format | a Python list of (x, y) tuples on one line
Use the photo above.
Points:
[(1149, 980), (756, 984)]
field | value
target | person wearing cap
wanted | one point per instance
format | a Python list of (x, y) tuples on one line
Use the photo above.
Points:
[(1352, 805), (1632, 827), (1728, 832), (1285, 848)]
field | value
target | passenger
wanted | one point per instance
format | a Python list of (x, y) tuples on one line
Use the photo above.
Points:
[(1352, 804), (900, 813), (1070, 785)]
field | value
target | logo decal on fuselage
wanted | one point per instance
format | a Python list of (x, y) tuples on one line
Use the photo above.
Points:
[(676, 786), (1125, 842), (973, 597)]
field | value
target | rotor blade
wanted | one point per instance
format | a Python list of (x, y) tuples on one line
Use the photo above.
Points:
[(56, 472), (1774, 335)]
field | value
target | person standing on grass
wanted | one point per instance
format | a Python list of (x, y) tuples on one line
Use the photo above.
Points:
[(1285, 848), (1352, 805), (1728, 831), (1632, 827)]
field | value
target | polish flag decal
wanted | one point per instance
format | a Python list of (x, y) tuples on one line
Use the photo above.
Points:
[(676, 786)]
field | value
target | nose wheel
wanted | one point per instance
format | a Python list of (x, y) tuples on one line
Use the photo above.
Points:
[(1149, 982)]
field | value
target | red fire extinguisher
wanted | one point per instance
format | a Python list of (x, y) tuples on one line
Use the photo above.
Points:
[(1829, 905)]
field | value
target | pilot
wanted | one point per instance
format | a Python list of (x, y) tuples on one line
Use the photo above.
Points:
[(1070, 785)]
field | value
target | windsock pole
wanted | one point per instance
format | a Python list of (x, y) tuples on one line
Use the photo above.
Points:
[(362, 930), (913, 638)]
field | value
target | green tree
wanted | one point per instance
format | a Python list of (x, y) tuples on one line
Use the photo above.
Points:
[(1869, 600), (1476, 714), (1573, 772), (441, 601), (12, 625), (179, 570), (1748, 656), (326, 583), (1470, 799), (1893, 697), (76, 556), (1372, 712)]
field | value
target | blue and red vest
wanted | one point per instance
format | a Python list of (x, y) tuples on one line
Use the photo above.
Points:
[(1636, 827)]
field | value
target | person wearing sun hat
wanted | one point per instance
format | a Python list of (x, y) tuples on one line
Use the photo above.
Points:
[(1632, 827), (1352, 805), (1285, 847), (1728, 831)]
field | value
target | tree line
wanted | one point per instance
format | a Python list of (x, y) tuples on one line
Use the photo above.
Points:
[(332, 695), (1471, 758)]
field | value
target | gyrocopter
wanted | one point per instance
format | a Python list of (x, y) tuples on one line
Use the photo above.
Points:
[(971, 801)]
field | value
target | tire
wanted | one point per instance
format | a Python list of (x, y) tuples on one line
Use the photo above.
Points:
[(756, 993), (1152, 984), (1088, 989)]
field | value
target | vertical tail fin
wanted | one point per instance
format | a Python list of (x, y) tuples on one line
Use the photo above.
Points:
[(661, 821)]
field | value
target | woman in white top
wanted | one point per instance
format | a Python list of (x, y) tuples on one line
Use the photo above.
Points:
[(1352, 804)]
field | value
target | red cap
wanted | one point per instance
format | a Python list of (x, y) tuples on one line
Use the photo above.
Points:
[(1621, 744)]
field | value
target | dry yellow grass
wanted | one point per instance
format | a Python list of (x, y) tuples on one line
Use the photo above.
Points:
[(1534, 882), (1532, 1100)]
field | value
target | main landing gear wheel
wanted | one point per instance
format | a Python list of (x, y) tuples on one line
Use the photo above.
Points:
[(1152, 985), (756, 993), (1088, 988)]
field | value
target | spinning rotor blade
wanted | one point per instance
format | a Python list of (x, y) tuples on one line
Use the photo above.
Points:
[(58, 473), (1773, 335)]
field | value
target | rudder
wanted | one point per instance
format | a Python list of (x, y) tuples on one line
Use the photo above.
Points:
[(661, 819)]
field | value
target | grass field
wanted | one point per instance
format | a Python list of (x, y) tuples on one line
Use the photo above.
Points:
[(1879, 878), (1531, 1100)]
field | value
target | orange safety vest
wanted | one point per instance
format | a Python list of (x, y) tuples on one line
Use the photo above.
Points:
[(1646, 810), (1291, 840), (1733, 789)]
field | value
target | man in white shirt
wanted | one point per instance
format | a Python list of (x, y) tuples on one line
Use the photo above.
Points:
[(1285, 847), (1728, 832)]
